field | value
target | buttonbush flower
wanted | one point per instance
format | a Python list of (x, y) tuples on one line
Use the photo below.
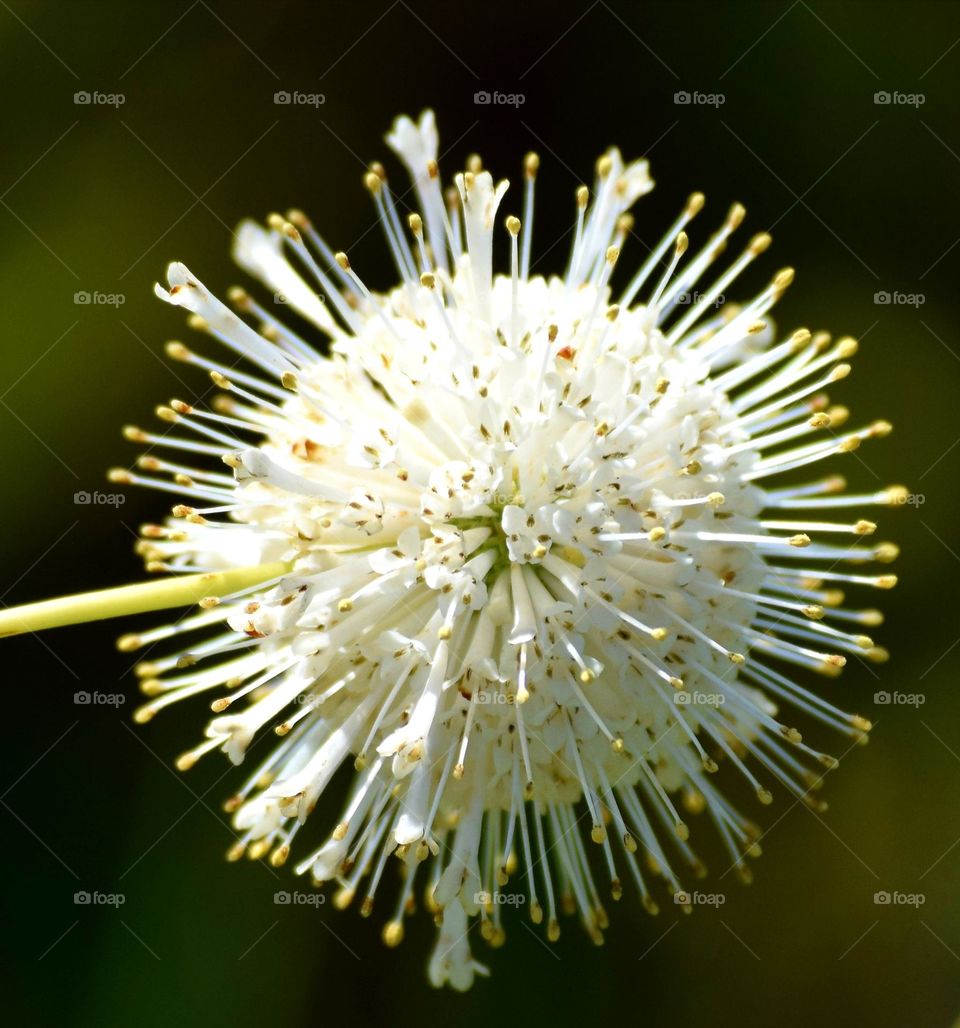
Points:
[(524, 551)]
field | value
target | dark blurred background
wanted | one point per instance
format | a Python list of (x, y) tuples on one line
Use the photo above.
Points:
[(96, 198)]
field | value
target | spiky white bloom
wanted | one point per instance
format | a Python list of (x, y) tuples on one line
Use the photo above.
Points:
[(537, 576)]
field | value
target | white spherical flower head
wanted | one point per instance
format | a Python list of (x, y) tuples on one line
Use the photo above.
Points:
[(537, 573)]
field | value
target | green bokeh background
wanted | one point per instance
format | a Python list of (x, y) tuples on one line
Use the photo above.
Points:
[(863, 197)]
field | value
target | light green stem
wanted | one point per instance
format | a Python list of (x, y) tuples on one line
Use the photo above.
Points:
[(181, 591)]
